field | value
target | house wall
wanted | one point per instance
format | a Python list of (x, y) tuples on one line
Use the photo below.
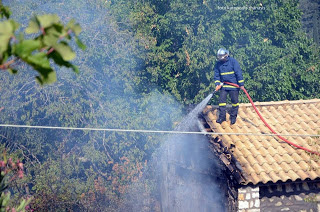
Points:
[(302, 197), (191, 178), (248, 199), (298, 196)]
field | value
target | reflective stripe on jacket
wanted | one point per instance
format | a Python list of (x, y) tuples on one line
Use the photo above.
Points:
[(228, 71)]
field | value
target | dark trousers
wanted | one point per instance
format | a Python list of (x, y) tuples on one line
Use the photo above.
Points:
[(234, 95)]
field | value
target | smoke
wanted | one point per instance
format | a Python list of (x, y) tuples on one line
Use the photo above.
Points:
[(185, 171), (188, 173), (188, 178), (181, 173)]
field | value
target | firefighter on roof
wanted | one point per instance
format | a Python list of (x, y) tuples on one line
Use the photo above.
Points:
[(227, 69)]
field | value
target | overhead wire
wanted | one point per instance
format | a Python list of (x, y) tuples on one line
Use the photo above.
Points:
[(151, 131)]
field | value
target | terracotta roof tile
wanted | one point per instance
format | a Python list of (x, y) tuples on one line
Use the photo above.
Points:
[(285, 166), (282, 176), (272, 151), (302, 174), (313, 174), (267, 158), (303, 165), (255, 178), (305, 156), (274, 176), (263, 151), (251, 160), (293, 175), (296, 157), (264, 177), (243, 161)]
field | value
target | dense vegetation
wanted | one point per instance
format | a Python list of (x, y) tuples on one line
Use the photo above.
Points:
[(278, 60), (144, 61), (50, 40)]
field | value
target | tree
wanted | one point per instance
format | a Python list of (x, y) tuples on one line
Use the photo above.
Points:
[(49, 40), (9, 173), (178, 47), (279, 61), (142, 56), (66, 169)]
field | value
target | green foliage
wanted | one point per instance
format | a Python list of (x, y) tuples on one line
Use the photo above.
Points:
[(179, 43), (9, 172), (4, 11), (63, 176), (4, 203), (277, 55), (142, 56), (52, 43)]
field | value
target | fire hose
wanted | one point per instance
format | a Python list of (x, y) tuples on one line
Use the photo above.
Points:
[(267, 125)]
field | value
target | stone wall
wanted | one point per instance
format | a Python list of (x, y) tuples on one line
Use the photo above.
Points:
[(248, 199), (301, 197), (298, 196)]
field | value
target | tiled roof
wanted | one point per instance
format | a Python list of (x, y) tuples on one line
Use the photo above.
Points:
[(263, 159)]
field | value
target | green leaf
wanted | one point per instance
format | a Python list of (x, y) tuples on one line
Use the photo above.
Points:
[(80, 44), (4, 43), (65, 51), (40, 62), (14, 25), (46, 77), (7, 29), (48, 20), (77, 29), (4, 11), (57, 58), (12, 71), (26, 47), (33, 27), (56, 29), (20, 36), (6, 198), (75, 68), (71, 23), (22, 205), (50, 39), (53, 34)]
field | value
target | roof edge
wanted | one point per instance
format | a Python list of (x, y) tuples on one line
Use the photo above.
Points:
[(284, 102), (289, 181), (271, 103)]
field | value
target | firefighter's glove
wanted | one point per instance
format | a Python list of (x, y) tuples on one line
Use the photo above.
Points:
[(218, 87)]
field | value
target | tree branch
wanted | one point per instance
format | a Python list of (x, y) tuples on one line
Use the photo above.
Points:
[(7, 64)]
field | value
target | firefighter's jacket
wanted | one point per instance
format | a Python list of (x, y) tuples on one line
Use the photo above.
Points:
[(228, 71)]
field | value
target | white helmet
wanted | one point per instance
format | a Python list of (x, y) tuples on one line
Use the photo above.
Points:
[(222, 54)]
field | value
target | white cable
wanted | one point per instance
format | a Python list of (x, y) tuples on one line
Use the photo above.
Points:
[(150, 131)]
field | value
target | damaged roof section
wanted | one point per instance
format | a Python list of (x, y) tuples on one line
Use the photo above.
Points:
[(257, 159)]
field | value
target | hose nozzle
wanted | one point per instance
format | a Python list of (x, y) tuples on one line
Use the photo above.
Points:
[(218, 87)]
